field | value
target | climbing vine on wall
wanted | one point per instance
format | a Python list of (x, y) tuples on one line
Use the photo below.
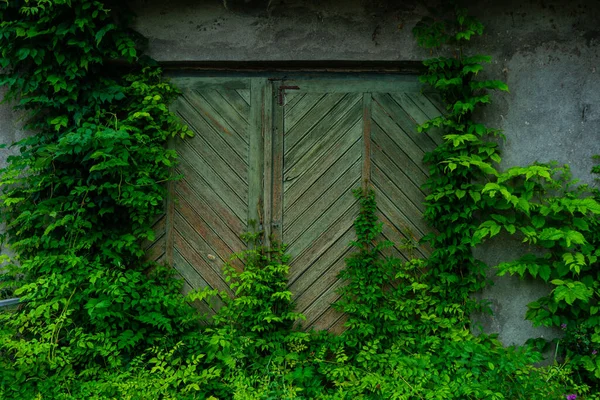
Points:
[(81, 193), (472, 201)]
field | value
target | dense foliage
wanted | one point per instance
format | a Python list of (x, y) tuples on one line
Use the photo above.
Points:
[(98, 321)]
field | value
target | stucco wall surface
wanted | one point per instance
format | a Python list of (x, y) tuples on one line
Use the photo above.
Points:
[(547, 51)]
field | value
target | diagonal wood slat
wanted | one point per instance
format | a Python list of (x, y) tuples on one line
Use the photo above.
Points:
[(209, 207), (322, 153), (292, 167), (398, 171)]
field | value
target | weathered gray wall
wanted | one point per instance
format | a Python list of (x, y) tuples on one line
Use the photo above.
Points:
[(10, 132), (548, 52)]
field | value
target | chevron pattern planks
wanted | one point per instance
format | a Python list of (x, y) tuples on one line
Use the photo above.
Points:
[(322, 163), (397, 171), (292, 167), (210, 203)]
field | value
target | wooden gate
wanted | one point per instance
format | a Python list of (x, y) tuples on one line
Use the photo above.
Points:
[(287, 154)]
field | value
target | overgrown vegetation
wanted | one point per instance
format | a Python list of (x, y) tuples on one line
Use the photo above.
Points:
[(98, 321)]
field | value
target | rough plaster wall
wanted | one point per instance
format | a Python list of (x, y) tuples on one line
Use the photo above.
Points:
[(10, 132)]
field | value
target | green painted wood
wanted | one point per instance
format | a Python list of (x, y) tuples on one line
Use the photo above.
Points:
[(206, 83), (398, 178), (382, 84), (339, 119), (405, 118), (309, 122), (224, 112), (230, 147), (216, 172), (399, 137), (244, 94), (309, 213), (256, 159), (291, 167), (312, 203), (217, 121), (307, 102), (199, 170), (414, 170), (222, 180), (298, 179)]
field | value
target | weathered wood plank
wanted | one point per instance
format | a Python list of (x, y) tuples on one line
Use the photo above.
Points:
[(384, 186), (255, 156), (431, 111), (294, 115), (244, 94), (210, 83), (398, 136), (233, 98), (324, 205), (405, 122), (215, 171), (317, 309), (229, 147), (209, 227), (225, 112), (337, 238), (383, 83), (329, 130), (194, 280), (326, 109), (213, 279), (344, 205), (399, 178), (414, 167), (157, 249), (395, 214), (211, 186), (391, 232), (224, 219), (337, 327), (275, 170), (297, 181), (211, 115), (405, 101), (291, 98), (317, 279), (326, 189), (212, 147), (367, 103)]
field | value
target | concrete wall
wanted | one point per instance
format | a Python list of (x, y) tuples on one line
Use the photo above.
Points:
[(10, 132), (548, 53)]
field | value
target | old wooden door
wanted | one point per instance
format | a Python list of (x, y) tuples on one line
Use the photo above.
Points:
[(288, 153)]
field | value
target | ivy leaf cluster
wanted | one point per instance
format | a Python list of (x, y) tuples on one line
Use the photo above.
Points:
[(80, 196), (471, 201)]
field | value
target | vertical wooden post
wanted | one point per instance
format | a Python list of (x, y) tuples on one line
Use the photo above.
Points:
[(255, 156), (367, 102), (277, 167)]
